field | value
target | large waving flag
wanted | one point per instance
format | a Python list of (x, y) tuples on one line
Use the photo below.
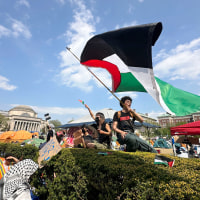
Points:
[(127, 55)]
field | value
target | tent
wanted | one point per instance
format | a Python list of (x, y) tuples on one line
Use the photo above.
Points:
[(162, 143), (15, 136), (192, 128), (35, 141)]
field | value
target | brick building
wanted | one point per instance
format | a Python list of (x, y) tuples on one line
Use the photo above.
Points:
[(170, 120)]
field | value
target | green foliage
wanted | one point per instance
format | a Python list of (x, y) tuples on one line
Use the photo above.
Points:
[(3, 123), (165, 132), (56, 123), (24, 152), (84, 174)]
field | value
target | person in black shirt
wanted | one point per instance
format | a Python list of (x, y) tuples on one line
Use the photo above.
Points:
[(123, 125), (103, 128), (50, 133)]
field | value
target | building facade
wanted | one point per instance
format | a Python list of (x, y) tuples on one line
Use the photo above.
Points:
[(148, 119), (169, 120), (23, 118)]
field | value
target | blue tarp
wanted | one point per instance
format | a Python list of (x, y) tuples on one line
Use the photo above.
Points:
[(108, 120)]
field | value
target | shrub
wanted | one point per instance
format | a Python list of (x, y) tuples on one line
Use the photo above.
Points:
[(24, 152), (84, 174)]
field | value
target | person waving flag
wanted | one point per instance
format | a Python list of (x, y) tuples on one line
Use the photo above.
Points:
[(127, 55)]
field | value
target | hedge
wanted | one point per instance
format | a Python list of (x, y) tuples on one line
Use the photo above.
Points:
[(84, 174), (18, 151)]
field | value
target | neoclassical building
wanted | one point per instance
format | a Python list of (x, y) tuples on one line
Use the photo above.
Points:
[(24, 118)]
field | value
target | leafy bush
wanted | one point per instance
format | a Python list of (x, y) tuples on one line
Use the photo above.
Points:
[(84, 174), (24, 152)]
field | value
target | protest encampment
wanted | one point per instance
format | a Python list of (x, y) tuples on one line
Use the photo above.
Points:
[(99, 100)]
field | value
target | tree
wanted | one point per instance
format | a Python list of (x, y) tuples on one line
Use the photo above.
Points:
[(56, 123), (3, 123)]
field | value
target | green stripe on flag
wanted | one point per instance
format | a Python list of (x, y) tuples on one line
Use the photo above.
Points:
[(160, 163), (178, 101), (129, 83)]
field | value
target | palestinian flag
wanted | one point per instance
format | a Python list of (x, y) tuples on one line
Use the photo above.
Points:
[(81, 101), (163, 160), (127, 55)]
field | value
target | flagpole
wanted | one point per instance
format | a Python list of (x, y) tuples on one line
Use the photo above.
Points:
[(94, 75)]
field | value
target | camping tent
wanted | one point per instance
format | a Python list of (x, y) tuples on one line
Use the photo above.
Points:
[(35, 141), (15, 136), (192, 128), (162, 143)]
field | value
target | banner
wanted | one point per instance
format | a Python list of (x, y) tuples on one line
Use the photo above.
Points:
[(50, 149)]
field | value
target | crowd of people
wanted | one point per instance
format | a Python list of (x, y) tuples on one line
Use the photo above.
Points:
[(99, 137), (100, 134), (123, 125)]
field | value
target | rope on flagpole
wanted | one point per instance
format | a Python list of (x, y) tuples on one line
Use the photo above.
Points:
[(69, 49)]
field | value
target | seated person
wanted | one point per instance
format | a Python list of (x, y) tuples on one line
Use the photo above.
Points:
[(124, 127), (103, 128), (82, 138)]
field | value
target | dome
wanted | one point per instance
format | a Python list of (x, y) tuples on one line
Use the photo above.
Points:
[(23, 108)]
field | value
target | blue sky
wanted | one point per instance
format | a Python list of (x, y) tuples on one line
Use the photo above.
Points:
[(37, 70)]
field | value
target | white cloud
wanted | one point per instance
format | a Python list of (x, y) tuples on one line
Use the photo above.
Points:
[(4, 84), (133, 95), (18, 28), (60, 110), (103, 77), (154, 114), (141, 1), (80, 30), (180, 63), (24, 3), (78, 33), (4, 31), (75, 76), (63, 114)]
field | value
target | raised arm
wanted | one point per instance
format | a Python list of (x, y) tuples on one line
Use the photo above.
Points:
[(137, 116), (91, 113), (13, 158)]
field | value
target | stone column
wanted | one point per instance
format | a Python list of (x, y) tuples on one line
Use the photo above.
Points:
[(18, 122), (30, 126), (15, 125)]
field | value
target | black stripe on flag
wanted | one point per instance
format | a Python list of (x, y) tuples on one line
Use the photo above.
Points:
[(131, 44), (164, 160)]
